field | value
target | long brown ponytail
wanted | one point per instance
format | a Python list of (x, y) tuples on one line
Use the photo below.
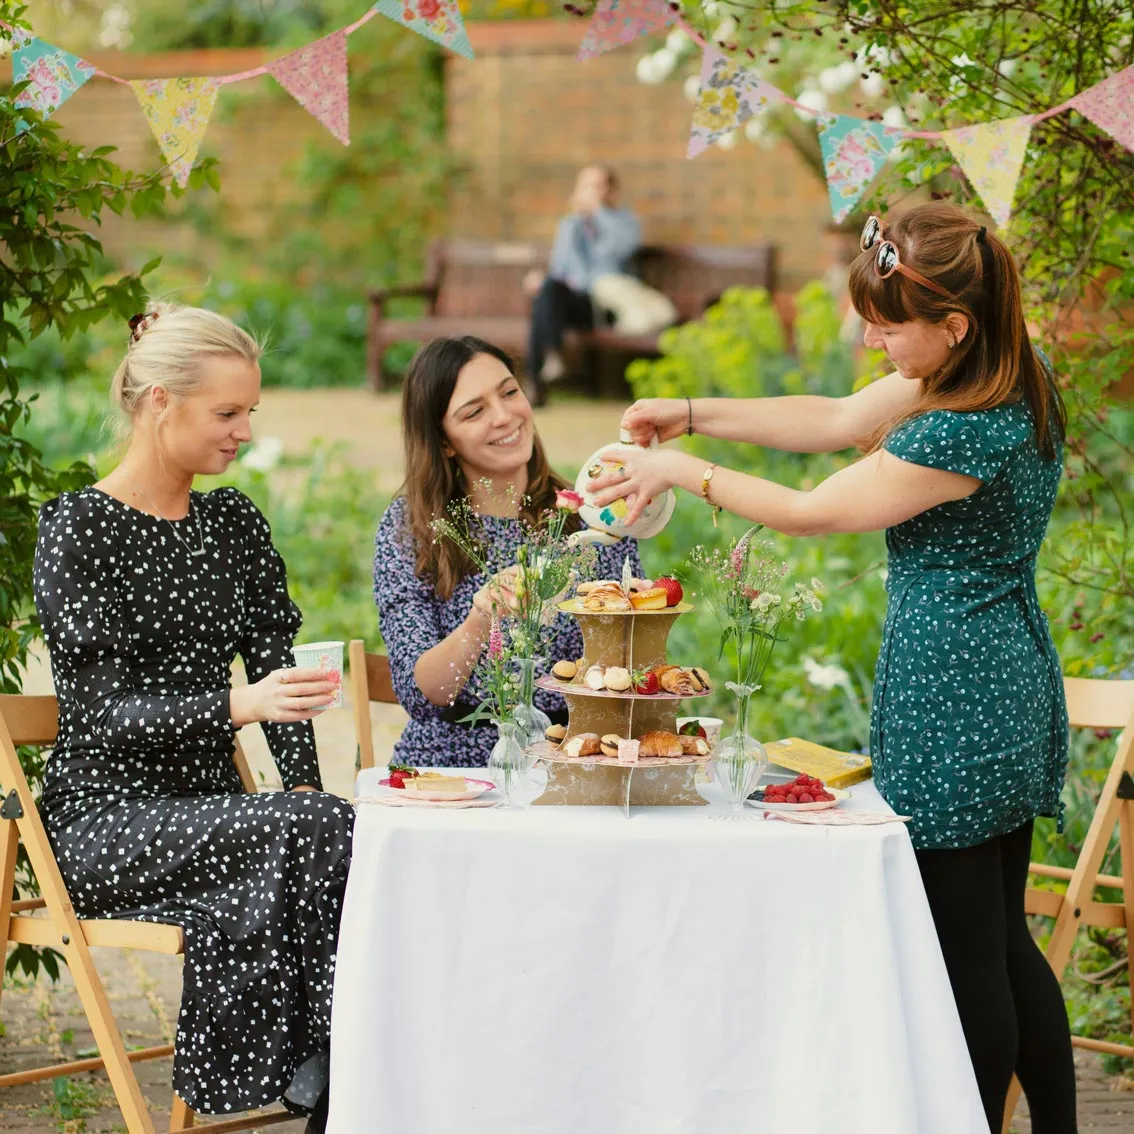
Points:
[(433, 480), (995, 363)]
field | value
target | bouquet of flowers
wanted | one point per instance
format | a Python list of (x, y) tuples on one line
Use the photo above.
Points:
[(745, 589), (545, 565)]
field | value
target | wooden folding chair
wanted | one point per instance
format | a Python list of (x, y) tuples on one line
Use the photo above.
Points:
[(370, 680), (35, 721), (1094, 703)]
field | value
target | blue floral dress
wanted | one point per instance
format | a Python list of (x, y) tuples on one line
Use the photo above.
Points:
[(414, 619), (969, 723)]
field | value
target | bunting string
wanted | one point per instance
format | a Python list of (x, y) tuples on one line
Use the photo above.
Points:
[(854, 148)]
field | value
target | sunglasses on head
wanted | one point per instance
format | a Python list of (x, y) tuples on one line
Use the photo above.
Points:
[(887, 261)]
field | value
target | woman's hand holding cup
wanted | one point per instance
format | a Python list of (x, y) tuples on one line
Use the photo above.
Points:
[(285, 695)]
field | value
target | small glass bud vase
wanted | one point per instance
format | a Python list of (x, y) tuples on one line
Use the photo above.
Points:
[(532, 721), (738, 759), (508, 763)]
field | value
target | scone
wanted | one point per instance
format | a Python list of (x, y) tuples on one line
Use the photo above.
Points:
[(617, 679), (609, 744), (564, 670), (661, 743), (585, 744)]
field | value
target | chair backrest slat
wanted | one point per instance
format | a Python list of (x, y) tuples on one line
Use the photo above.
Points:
[(1099, 703), (30, 720)]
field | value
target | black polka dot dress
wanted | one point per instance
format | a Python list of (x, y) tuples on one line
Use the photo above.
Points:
[(969, 722), (143, 804)]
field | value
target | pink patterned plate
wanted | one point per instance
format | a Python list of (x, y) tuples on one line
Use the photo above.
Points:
[(472, 789)]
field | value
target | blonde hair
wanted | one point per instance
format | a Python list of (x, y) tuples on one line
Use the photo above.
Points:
[(166, 349)]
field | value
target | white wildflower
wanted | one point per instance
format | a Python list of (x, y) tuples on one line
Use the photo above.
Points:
[(873, 85), (728, 141), (678, 42), (726, 31), (834, 80), (829, 676), (894, 116), (692, 87), (264, 455)]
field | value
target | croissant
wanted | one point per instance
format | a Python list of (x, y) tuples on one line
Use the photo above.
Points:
[(660, 743), (677, 681)]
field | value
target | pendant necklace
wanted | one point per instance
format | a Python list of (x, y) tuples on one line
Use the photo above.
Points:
[(172, 527)]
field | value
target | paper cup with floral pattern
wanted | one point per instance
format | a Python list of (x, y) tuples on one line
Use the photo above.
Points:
[(323, 655), (711, 725)]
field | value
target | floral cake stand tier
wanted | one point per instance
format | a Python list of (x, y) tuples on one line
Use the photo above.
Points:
[(635, 640)]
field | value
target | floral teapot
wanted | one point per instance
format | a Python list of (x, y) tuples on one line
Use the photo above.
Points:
[(606, 525)]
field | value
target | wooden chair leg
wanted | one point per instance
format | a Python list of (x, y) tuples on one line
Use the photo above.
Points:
[(1126, 850), (181, 1114), (9, 844)]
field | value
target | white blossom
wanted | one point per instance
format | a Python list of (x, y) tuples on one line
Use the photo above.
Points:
[(728, 141), (1008, 67), (873, 85), (650, 69), (894, 116), (725, 32), (692, 87), (678, 42), (711, 9), (825, 676), (832, 80), (813, 99)]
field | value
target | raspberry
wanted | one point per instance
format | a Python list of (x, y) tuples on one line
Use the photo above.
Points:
[(792, 797), (806, 797)]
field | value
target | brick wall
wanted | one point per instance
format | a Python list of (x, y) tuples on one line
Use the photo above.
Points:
[(525, 115)]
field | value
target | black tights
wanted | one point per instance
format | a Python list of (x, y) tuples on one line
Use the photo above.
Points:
[(1009, 1001)]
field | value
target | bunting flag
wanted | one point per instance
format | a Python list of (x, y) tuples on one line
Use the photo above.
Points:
[(178, 111), (438, 20), (991, 156), (617, 22), (854, 150), (55, 75), (316, 77), (1110, 106), (729, 96)]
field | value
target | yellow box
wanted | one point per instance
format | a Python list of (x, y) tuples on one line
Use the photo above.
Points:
[(834, 768)]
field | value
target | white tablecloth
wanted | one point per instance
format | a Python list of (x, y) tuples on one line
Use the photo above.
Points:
[(570, 971)]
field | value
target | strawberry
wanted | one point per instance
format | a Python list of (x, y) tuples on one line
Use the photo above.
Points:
[(399, 773), (397, 779), (673, 592), (647, 683), (693, 728)]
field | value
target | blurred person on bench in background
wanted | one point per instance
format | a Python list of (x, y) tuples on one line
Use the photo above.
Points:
[(597, 237)]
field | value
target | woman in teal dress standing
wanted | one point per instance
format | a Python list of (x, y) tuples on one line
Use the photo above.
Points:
[(969, 727)]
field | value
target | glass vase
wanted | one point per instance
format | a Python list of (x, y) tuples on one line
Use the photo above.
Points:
[(533, 722), (509, 763), (738, 759)]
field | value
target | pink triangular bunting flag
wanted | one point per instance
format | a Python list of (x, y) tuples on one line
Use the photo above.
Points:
[(618, 22), (1110, 106), (316, 77), (730, 94)]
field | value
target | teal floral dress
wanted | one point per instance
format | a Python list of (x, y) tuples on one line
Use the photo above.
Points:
[(969, 723)]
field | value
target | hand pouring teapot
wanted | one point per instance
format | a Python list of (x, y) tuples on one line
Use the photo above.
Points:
[(607, 524)]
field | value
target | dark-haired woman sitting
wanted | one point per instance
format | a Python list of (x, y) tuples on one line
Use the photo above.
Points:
[(468, 432)]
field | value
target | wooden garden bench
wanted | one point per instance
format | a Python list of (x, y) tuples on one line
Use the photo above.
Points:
[(475, 288)]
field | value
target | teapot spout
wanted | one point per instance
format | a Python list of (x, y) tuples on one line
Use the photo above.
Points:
[(591, 536)]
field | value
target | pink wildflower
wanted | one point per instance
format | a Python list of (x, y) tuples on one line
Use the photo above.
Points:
[(495, 642)]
